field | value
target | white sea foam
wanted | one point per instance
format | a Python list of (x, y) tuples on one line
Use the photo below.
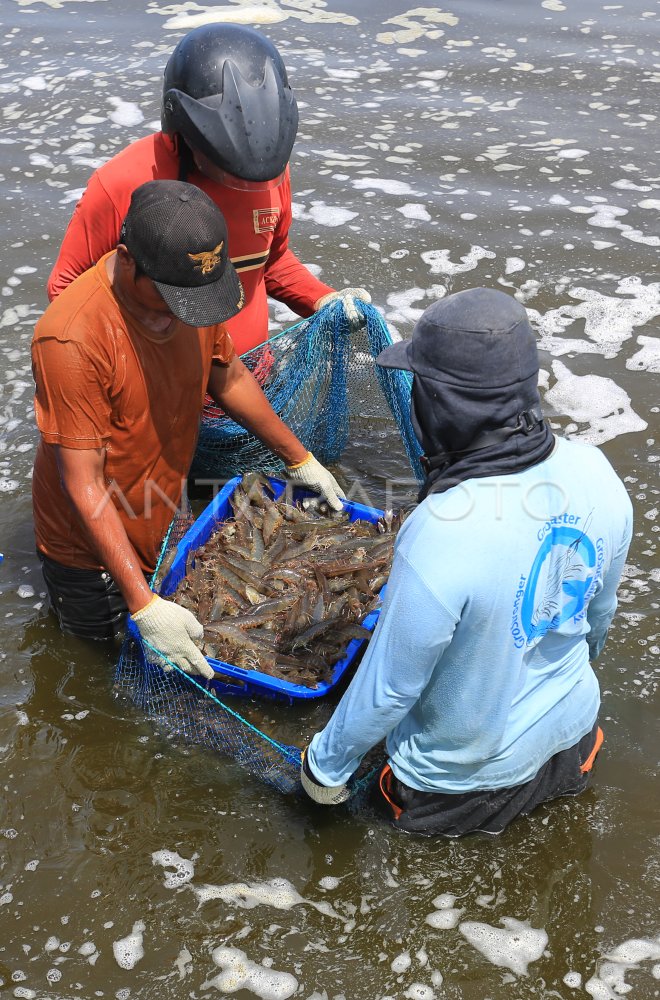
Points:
[(240, 973), (610, 981), (571, 153), (394, 187), (322, 214), (125, 112), (593, 400), (609, 320), (446, 915), (184, 16), (182, 870), (648, 358), (34, 83), (278, 893), (513, 946), (401, 963), (443, 920), (420, 991), (129, 950), (416, 23), (415, 210), (439, 262)]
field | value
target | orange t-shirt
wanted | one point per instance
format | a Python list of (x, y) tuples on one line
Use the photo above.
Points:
[(104, 381)]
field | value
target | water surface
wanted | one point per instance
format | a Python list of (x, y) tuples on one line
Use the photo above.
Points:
[(510, 143)]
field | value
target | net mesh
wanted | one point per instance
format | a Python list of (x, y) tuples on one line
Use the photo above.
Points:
[(321, 380)]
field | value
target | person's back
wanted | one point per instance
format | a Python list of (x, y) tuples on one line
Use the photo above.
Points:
[(521, 571), (503, 586)]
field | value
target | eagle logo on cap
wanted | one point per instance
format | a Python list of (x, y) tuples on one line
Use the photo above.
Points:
[(208, 260)]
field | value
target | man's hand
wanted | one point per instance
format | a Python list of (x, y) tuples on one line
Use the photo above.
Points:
[(347, 297), (324, 795), (171, 630), (316, 477)]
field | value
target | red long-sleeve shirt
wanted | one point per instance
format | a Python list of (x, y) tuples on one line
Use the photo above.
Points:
[(258, 223)]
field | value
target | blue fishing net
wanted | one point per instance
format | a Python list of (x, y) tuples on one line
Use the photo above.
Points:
[(321, 380)]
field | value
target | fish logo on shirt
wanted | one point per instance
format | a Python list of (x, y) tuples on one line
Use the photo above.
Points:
[(207, 260), (560, 583)]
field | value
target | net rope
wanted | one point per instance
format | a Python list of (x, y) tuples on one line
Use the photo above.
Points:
[(321, 380)]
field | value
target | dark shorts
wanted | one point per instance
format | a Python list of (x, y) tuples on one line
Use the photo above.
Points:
[(431, 813), (86, 602)]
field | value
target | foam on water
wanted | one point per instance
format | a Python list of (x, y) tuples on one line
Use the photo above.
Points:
[(322, 214), (610, 981), (416, 23), (648, 358), (439, 262), (513, 946), (608, 321), (182, 869), (278, 893), (445, 915), (184, 16), (394, 187), (240, 973), (125, 112), (415, 210), (129, 950), (593, 400), (401, 963), (420, 991)]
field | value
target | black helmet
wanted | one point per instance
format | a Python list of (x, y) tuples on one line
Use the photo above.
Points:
[(227, 94)]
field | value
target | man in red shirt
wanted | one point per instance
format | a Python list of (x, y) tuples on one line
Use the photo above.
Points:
[(229, 122), (122, 361)]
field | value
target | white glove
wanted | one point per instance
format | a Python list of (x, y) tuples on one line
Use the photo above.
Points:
[(325, 795), (171, 630), (316, 477), (347, 297)]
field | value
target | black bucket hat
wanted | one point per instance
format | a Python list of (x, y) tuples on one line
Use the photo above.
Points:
[(478, 337), (178, 237), (475, 404)]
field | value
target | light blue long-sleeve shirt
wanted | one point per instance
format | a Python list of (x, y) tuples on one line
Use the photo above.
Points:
[(500, 592)]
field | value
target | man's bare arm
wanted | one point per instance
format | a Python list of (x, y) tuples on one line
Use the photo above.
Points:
[(236, 390), (81, 472)]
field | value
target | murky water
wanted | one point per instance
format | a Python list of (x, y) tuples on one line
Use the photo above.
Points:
[(503, 142)]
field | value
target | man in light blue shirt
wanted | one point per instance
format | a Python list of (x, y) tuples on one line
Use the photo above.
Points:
[(502, 590)]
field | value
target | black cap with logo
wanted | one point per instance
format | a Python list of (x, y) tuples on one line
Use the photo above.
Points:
[(178, 237)]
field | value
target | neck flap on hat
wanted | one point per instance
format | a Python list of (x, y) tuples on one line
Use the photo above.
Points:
[(471, 432)]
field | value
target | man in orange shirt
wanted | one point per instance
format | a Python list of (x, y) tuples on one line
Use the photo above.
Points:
[(122, 361), (229, 120)]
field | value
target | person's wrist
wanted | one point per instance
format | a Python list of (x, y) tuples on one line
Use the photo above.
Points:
[(307, 457), (136, 612)]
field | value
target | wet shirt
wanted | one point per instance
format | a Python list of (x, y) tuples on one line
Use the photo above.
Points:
[(501, 590), (104, 381), (258, 223)]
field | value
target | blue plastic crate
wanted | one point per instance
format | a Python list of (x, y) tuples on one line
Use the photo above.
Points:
[(238, 679)]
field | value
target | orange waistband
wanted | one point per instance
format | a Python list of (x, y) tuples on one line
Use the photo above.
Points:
[(385, 782), (589, 762)]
